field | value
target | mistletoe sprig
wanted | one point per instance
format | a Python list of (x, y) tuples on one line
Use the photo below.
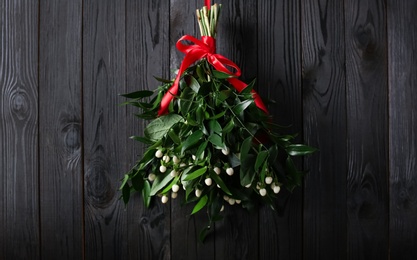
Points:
[(214, 143)]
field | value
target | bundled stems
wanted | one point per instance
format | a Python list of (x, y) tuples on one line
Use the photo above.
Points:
[(207, 20)]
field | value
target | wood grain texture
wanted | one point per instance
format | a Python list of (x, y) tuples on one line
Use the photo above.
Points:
[(19, 202), (185, 228), (234, 237), (402, 58), (104, 73), (147, 39), (324, 91), (279, 79), (60, 124), (367, 129)]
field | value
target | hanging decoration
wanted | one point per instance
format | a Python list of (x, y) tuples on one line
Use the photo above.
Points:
[(210, 136)]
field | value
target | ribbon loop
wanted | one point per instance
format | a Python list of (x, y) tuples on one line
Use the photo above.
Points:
[(205, 48)]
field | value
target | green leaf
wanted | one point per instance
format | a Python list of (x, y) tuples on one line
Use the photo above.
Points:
[(299, 150), (195, 174), (186, 100), (260, 159), (229, 127), (200, 113), (142, 139), (174, 137), (263, 170), (239, 108), (191, 140), (248, 88), (168, 187), (162, 80), (193, 84), (294, 177), (234, 161), (221, 75), (220, 182), (157, 101), (222, 96), (247, 173), (273, 153), (201, 149), (146, 193), (218, 115), (204, 233), (160, 182), (147, 158), (125, 179), (160, 126), (138, 94), (137, 181), (200, 73), (215, 127), (201, 203), (216, 140), (126, 193), (245, 148)]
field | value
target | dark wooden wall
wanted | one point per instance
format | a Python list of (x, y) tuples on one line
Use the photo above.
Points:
[(343, 73)]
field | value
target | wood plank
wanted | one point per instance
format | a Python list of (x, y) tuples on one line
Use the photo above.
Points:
[(279, 79), (60, 124), (234, 235), (104, 77), (147, 35), (185, 228), (402, 81), (324, 90), (19, 172), (367, 129)]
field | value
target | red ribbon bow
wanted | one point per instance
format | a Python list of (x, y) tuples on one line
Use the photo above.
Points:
[(205, 48)]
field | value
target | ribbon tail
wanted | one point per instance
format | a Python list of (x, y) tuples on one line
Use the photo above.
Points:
[(258, 102), (167, 98), (189, 59)]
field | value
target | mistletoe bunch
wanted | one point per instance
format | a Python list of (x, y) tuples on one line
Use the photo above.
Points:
[(211, 141)]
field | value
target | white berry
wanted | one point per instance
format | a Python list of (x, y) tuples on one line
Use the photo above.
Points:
[(193, 156), (175, 188), (277, 189), (238, 201), (175, 159), (226, 151), (268, 180), (208, 181), (164, 199), (226, 198), (158, 154), (232, 201), (222, 208), (174, 195), (151, 177), (230, 171), (198, 193), (262, 192), (173, 173), (248, 186), (162, 168), (217, 170), (166, 158)]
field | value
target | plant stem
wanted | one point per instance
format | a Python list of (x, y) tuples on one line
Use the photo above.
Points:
[(207, 20)]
